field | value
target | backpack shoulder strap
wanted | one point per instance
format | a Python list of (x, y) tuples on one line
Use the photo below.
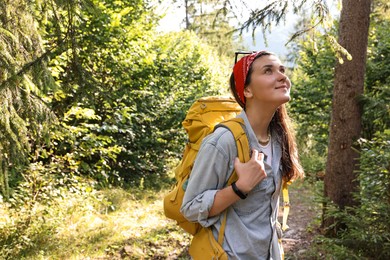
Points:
[(235, 125), (286, 203)]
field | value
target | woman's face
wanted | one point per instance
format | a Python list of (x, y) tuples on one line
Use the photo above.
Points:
[(268, 82)]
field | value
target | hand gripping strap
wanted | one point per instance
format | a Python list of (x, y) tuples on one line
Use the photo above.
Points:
[(235, 126)]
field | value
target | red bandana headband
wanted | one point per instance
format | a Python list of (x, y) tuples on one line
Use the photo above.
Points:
[(240, 71)]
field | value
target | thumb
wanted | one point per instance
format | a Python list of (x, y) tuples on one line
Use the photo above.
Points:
[(236, 162)]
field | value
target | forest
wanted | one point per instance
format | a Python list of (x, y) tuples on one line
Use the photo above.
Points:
[(92, 99)]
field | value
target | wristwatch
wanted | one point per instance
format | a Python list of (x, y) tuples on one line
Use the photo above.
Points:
[(238, 192)]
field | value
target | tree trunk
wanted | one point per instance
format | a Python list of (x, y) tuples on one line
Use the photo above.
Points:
[(345, 128), (186, 5)]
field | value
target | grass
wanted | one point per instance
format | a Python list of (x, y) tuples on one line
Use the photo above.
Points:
[(108, 224), (112, 224)]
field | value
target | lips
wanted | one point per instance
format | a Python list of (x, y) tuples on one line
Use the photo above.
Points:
[(282, 86)]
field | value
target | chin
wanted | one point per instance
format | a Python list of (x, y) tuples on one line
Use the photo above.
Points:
[(286, 99)]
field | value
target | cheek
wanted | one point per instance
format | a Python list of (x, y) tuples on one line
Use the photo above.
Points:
[(263, 83)]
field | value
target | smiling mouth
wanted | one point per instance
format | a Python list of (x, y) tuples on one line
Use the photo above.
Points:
[(283, 86)]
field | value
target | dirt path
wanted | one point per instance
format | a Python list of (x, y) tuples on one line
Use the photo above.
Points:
[(297, 239)]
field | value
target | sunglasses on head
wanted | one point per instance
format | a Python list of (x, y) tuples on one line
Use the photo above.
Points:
[(241, 53)]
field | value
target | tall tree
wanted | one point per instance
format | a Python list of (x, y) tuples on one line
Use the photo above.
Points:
[(367, 224), (346, 119)]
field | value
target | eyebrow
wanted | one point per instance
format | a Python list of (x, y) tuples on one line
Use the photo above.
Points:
[(270, 66)]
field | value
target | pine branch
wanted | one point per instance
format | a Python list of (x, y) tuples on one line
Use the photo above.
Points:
[(25, 68), (275, 12)]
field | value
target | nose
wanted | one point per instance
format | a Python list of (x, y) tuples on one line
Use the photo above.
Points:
[(282, 76)]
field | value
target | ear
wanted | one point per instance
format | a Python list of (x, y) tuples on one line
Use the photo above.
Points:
[(248, 92)]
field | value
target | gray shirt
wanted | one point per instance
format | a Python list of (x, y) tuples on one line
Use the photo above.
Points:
[(250, 231)]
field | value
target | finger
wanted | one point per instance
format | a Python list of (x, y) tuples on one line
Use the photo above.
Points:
[(255, 154), (261, 157)]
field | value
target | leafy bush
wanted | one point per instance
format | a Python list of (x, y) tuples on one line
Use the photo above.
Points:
[(124, 94), (366, 233), (369, 224), (135, 129), (312, 87), (376, 101), (31, 218), (310, 107), (312, 81)]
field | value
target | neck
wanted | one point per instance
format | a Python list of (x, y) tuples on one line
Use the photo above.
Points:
[(260, 118)]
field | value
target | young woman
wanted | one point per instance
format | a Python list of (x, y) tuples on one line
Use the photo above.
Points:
[(261, 87)]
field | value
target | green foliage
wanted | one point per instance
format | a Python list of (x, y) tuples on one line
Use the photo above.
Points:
[(366, 234), (181, 72), (81, 222), (310, 107), (24, 77), (376, 116), (331, 248), (36, 208), (275, 13), (120, 92), (369, 222), (313, 83), (124, 92), (312, 93)]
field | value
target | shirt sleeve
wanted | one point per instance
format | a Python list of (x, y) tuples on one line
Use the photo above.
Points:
[(209, 174)]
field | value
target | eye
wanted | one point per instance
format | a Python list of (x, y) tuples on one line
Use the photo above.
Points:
[(282, 70), (268, 71)]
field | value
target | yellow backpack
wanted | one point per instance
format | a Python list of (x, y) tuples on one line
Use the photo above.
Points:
[(200, 121)]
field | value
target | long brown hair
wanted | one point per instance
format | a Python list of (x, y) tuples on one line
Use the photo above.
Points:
[(280, 125)]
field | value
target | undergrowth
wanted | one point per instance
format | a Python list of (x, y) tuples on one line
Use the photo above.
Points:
[(86, 223)]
